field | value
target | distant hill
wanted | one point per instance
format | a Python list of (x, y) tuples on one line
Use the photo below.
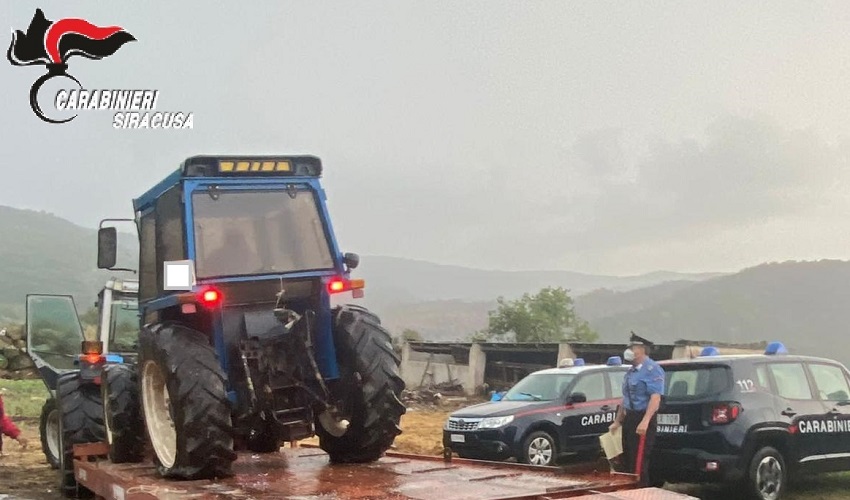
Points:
[(605, 302), (42, 253), (393, 281), (806, 305)]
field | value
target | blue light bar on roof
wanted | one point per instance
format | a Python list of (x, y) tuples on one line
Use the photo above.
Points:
[(579, 362), (775, 348), (614, 361), (709, 351)]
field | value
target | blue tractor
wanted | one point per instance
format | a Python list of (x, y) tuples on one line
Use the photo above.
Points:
[(239, 345)]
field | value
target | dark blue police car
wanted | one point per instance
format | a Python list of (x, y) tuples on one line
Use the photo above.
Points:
[(546, 415), (752, 420)]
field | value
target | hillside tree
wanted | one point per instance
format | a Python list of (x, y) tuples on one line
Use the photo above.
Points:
[(407, 335), (548, 316)]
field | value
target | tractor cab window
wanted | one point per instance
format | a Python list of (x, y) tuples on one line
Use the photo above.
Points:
[(241, 232), (124, 325)]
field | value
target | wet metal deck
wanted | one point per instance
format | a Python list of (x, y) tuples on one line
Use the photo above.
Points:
[(305, 474)]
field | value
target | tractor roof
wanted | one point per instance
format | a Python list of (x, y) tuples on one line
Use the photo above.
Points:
[(233, 167)]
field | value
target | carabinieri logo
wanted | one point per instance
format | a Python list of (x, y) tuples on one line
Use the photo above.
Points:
[(53, 43)]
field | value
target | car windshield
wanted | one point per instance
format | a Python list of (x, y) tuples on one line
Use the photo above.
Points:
[(540, 387), (258, 232), (124, 325), (691, 382)]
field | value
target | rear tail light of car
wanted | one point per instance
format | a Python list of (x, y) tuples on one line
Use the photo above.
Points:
[(724, 413)]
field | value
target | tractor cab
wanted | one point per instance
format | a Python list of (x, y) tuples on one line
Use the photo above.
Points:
[(118, 318)]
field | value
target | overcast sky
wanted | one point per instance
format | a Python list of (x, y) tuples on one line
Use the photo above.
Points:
[(605, 137)]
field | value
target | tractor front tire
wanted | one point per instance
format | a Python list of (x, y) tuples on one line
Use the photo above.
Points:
[(184, 401), (125, 429), (80, 422), (48, 429), (368, 391)]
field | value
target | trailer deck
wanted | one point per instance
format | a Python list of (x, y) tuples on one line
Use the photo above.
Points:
[(303, 473)]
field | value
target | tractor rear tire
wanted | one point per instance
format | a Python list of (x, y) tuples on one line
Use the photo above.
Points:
[(80, 421), (48, 429), (125, 429), (368, 390), (186, 411)]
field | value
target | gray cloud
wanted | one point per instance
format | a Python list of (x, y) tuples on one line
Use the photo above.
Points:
[(590, 136)]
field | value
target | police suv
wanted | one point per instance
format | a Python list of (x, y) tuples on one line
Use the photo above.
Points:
[(547, 414), (754, 420)]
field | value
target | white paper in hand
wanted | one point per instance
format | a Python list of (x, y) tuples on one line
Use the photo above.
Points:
[(612, 443)]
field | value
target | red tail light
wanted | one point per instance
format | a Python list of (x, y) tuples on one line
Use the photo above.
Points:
[(725, 413), (210, 297), (338, 285), (92, 359)]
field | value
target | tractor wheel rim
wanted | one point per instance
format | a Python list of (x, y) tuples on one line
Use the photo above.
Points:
[(540, 451), (769, 478), (52, 431), (157, 408)]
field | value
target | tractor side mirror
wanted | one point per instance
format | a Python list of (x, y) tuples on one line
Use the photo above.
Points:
[(107, 246), (351, 260), (577, 397)]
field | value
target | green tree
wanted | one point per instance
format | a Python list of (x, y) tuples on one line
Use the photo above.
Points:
[(548, 316), (407, 335)]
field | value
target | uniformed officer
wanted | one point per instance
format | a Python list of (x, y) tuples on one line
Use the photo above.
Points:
[(643, 387)]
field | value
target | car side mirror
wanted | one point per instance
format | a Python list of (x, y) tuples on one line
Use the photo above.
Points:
[(577, 397), (107, 245), (351, 260)]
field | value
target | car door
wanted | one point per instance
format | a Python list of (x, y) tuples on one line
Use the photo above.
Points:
[(798, 406), (832, 388), (584, 422), (54, 335)]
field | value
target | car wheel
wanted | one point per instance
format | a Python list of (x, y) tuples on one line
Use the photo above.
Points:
[(766, 476), (539, 449)]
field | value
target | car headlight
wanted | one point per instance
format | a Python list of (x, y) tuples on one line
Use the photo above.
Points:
[(495, 422)]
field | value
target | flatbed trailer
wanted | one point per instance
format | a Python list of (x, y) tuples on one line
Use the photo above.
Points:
[(303, 473)]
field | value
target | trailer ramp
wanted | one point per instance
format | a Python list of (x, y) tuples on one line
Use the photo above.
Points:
[(305, 474)]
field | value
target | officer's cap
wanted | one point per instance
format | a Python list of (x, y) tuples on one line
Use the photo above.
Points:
[(638, 340)]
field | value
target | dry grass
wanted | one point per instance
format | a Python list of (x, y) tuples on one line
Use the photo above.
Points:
[(422, 432)]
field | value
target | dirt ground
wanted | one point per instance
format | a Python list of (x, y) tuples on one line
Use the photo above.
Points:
[(26, 475)]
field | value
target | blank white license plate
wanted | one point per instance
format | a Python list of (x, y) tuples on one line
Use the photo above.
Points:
[(668, 419), (458, 438)]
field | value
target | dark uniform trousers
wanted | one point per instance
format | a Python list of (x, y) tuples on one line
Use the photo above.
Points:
[(631, 443)]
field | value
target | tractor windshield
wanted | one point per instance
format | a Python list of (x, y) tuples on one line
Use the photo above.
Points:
[(240, 232), (124, 325)]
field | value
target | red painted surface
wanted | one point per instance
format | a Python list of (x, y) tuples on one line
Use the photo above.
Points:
[(304, 472)]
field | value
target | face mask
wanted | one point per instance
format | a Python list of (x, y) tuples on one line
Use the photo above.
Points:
[(629, 355)]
